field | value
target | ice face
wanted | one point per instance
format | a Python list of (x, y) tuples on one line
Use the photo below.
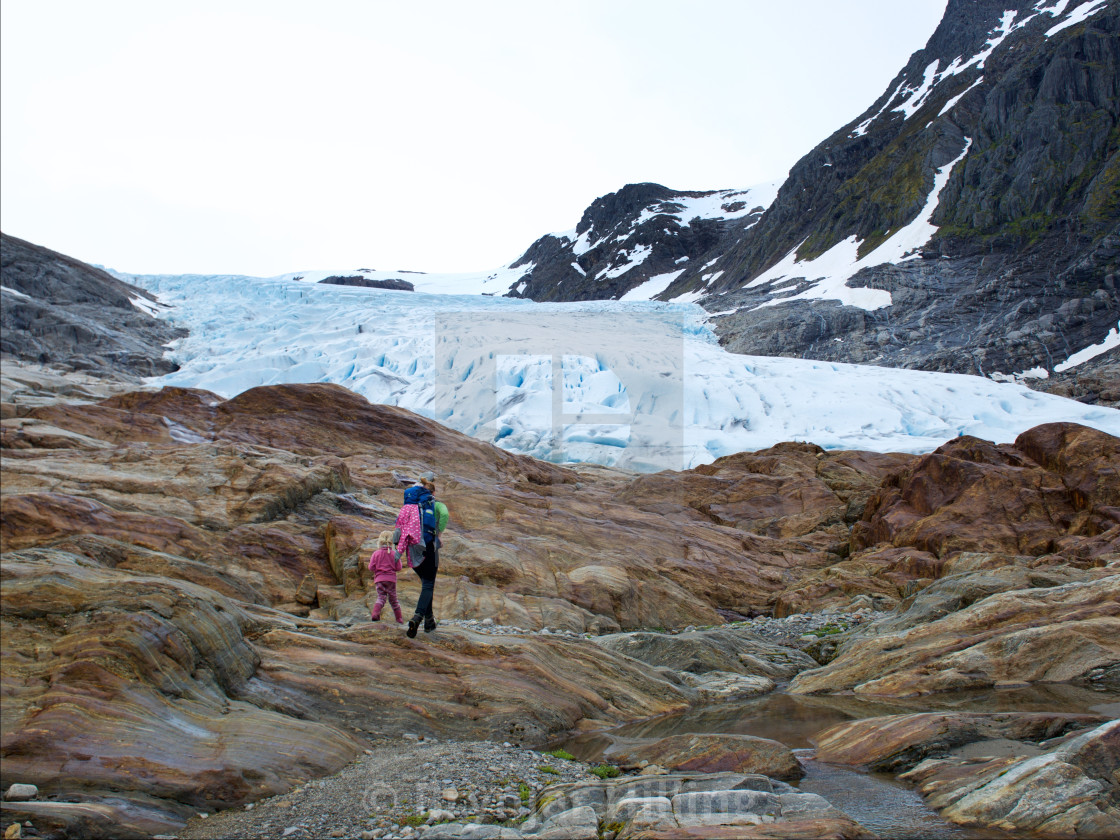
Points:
[(641, 385)]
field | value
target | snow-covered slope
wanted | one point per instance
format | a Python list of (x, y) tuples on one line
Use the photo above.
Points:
[(486, 366)]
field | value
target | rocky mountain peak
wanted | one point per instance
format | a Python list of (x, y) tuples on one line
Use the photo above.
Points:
[(966, 221)]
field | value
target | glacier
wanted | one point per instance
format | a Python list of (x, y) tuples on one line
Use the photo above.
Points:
[(640, 385)]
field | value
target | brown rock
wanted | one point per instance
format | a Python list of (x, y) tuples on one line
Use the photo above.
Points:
[(716, 753), (1068, 791), (898, 742), (308, 591), (976, 630), (1058, 480)]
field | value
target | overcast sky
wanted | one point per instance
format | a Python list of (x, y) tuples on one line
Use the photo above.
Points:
[(260, 138)]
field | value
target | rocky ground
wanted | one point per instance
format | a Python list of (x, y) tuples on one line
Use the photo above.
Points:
[(174, 562), (399, 787)]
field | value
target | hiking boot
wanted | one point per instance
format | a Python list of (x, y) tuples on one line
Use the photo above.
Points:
[(375, 615), (398, 616), (430, 624), (413, 626)]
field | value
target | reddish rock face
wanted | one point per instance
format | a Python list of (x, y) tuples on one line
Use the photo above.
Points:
[(1058, 484)]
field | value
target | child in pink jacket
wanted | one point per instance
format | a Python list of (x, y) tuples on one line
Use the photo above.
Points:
[(385, 563)]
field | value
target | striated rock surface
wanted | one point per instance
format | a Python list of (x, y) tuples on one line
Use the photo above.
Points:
[(897, 742), (1034, 774), (1040, 633), (62, 311), (729, 651), (1071, 791), (718, 805), (185, 603), (716, 754)]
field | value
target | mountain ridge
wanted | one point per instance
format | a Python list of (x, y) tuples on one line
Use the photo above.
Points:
[(1020, 270)]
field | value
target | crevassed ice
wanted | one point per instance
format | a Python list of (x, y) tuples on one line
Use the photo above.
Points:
[(248, 331)]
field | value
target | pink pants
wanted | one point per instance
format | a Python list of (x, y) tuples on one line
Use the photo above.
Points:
[(387, 591)]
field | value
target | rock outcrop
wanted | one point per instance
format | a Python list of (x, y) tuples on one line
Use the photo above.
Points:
[(60, 311), (716, 754), (1041, 774), (184, 604), (708, 805)]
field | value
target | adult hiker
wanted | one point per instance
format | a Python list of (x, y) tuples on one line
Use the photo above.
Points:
[(418, 526)]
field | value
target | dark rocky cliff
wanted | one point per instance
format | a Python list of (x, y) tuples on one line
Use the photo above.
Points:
[(1023, 268), (60, 311), (640, 232)]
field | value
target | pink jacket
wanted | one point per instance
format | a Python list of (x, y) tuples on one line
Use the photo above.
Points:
[(408, 521), (384, 565)]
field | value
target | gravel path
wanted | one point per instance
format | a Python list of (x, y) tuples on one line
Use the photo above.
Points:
[(397, 785)]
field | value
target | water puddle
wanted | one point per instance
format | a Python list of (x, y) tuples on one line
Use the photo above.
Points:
[(882, 805)]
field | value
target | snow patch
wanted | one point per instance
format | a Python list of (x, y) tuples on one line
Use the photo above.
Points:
[(723, 205), (579, 268), (1092, 351), (634, 257), (145, 306), (917, 97), (831, 271), (1081, 13), (652, 287), (948, 106), (9, 291)]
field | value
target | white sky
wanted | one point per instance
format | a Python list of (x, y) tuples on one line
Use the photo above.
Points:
[(260, 138)]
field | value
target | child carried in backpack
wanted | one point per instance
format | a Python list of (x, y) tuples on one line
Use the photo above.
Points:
[(385, 563)]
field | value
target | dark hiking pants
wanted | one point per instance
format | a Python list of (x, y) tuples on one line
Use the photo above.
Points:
[(427, 571)]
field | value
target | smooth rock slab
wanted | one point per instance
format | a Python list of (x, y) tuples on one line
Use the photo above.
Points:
[(575, 824), (625, 810), (689, 805), (1065, 793)]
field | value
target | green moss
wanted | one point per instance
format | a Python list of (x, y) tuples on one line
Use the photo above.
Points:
[(548, 768), (560, 753), (524, 791), (414, 820), (606, 771)]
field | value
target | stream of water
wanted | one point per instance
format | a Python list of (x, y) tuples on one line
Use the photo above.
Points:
[(883, 805)]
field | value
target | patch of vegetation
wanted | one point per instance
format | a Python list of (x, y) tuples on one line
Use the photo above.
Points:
[(561, 753), (827, 630), (613, 826), (548, 768), (606, 771), (414, 820), (524, 791)]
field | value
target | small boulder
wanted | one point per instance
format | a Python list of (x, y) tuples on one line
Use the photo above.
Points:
[(21, 793)]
